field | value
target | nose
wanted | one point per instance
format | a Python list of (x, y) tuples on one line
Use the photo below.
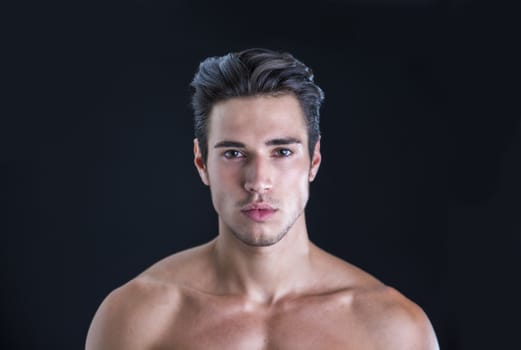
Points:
[(258, 176)]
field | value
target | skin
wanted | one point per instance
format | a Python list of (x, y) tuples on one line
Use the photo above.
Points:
[(260, 284)]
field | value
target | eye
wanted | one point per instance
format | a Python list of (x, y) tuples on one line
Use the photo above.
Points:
[(232, 154), (283, 152)]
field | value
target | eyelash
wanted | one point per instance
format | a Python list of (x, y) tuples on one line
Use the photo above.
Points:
[(278, 151), (227, 154)]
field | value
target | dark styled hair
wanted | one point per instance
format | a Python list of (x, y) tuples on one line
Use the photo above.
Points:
[(254, 72)]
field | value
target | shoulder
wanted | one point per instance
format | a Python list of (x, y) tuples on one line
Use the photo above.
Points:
[(389, 320), (393, 321), (134, 315), (130, 316)]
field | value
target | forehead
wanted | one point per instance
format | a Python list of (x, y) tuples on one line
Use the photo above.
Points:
[(257, 118)]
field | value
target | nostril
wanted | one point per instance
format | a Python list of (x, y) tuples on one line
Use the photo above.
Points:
[(258, 187)]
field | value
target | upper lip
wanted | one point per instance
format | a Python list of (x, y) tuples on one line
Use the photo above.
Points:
[(257, 206)]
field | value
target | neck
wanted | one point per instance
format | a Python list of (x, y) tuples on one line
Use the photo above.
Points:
[(263, 274)]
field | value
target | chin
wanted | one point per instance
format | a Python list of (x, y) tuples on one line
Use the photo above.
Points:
[(263, 242), (259, 239)]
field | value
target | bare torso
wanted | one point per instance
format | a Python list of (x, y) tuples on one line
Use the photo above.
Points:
[(220, 322), (178, 304)]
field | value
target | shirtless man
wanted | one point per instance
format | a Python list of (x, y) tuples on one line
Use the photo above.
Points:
[(260, 284)]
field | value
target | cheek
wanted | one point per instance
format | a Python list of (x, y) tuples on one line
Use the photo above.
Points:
[(294, 180), (221, 186), (294, 172), (223, 178)]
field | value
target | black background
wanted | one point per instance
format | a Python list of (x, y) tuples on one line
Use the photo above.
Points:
[(421, 142)]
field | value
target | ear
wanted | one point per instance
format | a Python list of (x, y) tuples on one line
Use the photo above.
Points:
[(315, 162), (200, 163)]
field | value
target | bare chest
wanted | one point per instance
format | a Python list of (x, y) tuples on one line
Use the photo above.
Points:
[(315, 324)]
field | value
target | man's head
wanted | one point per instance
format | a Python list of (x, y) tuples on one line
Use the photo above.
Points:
[(254, 72)]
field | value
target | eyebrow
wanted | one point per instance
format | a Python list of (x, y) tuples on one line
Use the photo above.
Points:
[(229, 144), (282, 141), (272, 142)]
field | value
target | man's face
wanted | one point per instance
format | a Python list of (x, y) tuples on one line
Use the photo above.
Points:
[(258, 167)]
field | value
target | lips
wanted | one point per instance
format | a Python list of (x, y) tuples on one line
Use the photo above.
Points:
[(258, 212)]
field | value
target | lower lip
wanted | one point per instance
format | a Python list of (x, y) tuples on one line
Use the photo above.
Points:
[(259, 215)]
